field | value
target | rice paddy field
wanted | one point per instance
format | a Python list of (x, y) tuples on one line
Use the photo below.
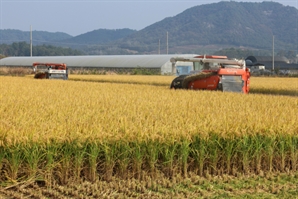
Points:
[(124, 136)]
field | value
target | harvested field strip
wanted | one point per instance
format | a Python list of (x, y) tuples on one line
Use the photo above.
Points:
[(279, 185), (129, 79)]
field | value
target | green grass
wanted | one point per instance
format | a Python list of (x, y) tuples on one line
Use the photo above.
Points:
[(69, 161)]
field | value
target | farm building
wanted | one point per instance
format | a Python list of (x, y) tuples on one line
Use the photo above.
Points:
[(160, 63), (280, 63)]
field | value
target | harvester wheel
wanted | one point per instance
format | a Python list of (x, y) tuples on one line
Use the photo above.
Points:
[(177, 82)]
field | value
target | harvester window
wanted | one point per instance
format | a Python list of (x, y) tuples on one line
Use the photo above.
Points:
[(197, 65), (206, 66)]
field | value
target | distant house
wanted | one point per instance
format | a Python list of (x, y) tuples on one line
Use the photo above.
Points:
[(280, 63)]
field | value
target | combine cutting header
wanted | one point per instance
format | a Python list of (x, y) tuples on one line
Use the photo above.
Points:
[(212, 72), (50, 71)]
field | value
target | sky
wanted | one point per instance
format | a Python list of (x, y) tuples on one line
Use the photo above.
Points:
[(76, 17)]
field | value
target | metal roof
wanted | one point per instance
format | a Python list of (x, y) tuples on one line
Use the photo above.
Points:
[(89, 61), (267, 58)]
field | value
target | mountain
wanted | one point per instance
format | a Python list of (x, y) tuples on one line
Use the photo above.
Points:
[(200, 29), (230, 23), (9, 36), (100, 36)]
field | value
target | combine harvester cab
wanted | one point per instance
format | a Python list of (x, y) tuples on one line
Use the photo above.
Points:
[(50, 71), (212, 72)]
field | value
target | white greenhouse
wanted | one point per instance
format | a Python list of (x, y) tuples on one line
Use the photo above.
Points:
[(107, 62)]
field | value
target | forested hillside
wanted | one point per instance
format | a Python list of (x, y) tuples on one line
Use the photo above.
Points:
[(250, 25), (9, 36), (201, 29), (100, 36), (23, 49)]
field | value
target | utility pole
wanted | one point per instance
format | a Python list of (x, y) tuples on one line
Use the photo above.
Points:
[(30, 40), (159, 46), (167, 42), (273, 53)]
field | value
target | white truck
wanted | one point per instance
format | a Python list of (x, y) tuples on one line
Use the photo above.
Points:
[(50, 70)]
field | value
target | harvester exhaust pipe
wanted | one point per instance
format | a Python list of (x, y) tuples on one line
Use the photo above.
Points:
[(174, 68)]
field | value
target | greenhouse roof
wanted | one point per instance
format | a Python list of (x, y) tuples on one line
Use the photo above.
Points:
[(105, 61)]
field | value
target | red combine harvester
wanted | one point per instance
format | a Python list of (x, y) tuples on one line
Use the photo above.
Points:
[(211, 72), (50, 71)]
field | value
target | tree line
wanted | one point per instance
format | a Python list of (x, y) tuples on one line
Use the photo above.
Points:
[(243, 53), (23, 49)]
